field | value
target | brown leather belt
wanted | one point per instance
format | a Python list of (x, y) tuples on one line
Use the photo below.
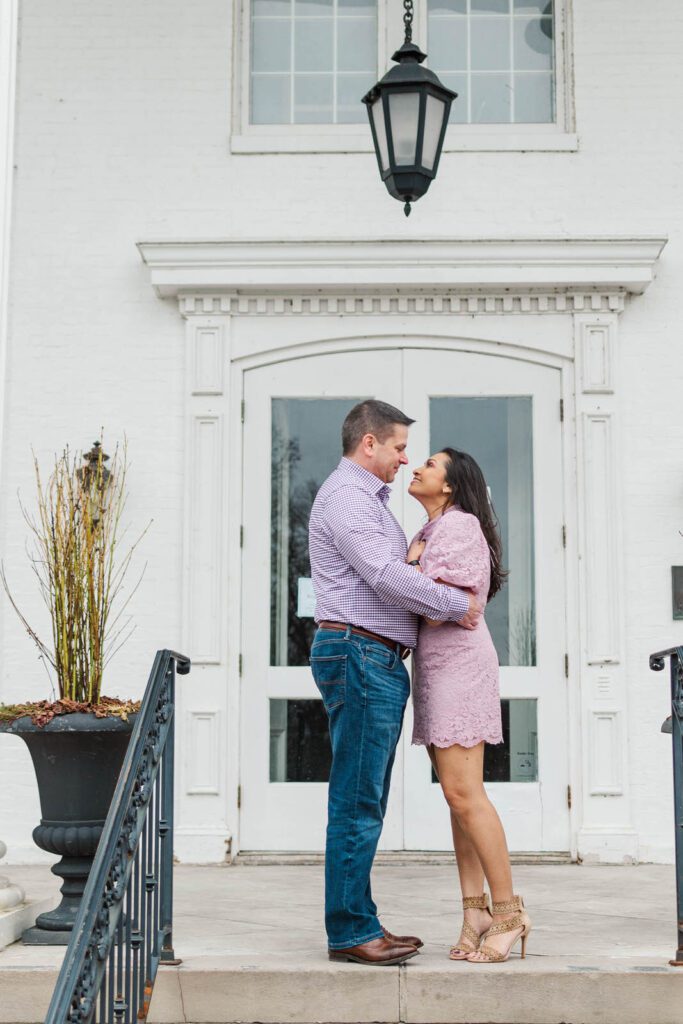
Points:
[(393, 645)]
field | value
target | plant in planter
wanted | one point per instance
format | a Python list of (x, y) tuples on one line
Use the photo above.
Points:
[(77, 741)]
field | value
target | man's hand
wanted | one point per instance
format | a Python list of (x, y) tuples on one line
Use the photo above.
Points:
[(471, 619)]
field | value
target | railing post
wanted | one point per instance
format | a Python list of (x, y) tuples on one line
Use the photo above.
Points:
[(167, 955), (677, 744), (124, 928), (657, 662)]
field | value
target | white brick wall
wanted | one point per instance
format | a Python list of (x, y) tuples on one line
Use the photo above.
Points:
[(123, 135)]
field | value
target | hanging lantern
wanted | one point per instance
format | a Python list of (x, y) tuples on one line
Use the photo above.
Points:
[(408, 111)]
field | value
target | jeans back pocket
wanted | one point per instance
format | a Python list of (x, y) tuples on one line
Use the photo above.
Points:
[(329, 673)]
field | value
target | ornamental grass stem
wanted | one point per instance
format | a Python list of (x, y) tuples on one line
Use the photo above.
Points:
[(76, 536)]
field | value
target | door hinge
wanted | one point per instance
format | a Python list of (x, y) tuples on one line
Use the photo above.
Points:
[(241, 536), (569, 797), (239, 797), (242, 410), (561, 410), (239, 665), (564, 536), (566, 666)]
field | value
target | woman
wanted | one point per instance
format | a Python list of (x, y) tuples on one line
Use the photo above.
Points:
[(456, 697)]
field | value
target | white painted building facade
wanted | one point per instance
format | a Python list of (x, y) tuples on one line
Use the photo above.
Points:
[(198, 263)]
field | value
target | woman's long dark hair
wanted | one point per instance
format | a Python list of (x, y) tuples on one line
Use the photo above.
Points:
[(468, 490)]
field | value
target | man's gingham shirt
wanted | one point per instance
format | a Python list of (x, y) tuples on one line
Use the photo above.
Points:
[(358, 551)]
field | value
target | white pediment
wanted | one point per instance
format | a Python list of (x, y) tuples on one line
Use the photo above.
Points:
[(462, 267)]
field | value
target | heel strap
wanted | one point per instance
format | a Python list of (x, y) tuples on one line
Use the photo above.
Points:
[(509, 906), (475, 902)]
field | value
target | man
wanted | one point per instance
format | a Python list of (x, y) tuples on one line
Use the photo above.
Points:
[(368, 603)]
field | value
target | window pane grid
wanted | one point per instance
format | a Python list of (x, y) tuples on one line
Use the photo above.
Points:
[(311, 60), (498, 55)]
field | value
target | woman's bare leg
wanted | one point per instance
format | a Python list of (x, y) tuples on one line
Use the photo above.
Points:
[(461, 774), (470, 870)]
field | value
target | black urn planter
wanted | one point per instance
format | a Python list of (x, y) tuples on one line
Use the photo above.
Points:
[(77, 759)]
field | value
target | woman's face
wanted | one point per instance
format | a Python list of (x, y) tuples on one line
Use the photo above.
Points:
[(429, 480)]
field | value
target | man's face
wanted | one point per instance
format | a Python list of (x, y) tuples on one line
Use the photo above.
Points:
[(391, 455)]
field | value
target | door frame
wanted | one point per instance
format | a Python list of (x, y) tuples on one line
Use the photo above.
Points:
[(286, 800), (541, 299), (350, 344)]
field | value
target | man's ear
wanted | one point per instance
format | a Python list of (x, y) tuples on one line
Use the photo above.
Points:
[(369, 442)]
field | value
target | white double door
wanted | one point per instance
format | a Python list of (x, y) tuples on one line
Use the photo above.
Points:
[(504, 412)]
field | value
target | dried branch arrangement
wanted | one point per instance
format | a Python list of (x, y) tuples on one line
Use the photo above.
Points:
[(75, 553)]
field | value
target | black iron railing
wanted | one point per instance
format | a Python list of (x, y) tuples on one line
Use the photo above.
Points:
[(124, 928), (657, 663)]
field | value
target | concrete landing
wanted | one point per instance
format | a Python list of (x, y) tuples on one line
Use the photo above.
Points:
[(253, 950)]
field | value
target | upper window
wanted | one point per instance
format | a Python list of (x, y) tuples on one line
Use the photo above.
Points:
[(498, 55), (312, 60), (306, 64)]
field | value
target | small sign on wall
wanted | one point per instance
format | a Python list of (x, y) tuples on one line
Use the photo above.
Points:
[(677, 591), (305, 598)]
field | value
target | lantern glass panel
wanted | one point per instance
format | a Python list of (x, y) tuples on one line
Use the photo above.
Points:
[(434, 118), (404, 109), (377, 113)]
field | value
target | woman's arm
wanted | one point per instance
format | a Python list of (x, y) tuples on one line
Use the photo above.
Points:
[(457, 555)]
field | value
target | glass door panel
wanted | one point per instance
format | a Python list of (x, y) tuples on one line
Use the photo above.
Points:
[(305, 448), (498, 433)]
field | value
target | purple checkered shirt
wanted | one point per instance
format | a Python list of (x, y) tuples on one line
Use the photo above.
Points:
[(358, 551)]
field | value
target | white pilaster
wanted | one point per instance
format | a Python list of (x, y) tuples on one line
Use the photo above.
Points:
[(606, 832), (8, 63), (12, 900), (202, 833)]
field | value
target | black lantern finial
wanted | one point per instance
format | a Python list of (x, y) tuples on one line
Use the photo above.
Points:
[(408, 111)]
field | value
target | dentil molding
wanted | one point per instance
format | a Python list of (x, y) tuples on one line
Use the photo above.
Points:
[(265, 304), (591, 275)]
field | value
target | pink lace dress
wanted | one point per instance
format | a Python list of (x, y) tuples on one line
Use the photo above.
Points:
[(456, 695)]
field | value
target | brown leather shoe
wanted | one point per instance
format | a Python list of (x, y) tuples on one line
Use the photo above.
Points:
[(376, 953), (404, 940)]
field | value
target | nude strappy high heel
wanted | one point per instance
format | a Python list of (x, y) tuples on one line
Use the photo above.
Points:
[(470, 937), (489, 955)]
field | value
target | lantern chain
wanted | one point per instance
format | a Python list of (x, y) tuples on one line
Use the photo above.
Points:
[(408, 19)]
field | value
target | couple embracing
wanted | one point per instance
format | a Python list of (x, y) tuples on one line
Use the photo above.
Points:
[(378, 600)]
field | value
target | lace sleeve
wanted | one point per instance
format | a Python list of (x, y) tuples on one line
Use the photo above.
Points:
[(457, 553)]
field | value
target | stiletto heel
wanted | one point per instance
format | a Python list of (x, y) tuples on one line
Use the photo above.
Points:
[(486, 954), (469, 936)]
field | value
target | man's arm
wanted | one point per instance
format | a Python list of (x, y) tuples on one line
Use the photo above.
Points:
[(354, 519)]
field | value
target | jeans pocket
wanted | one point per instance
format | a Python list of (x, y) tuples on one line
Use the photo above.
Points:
[(329, 674), (381, 656)]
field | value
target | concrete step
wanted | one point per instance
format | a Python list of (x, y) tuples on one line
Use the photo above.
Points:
[(429, 990), (253, 949)]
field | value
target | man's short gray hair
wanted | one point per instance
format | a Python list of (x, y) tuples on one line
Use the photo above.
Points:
[(371, 417)]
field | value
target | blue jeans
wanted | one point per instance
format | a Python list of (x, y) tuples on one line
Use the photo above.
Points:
[(364, 686)]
